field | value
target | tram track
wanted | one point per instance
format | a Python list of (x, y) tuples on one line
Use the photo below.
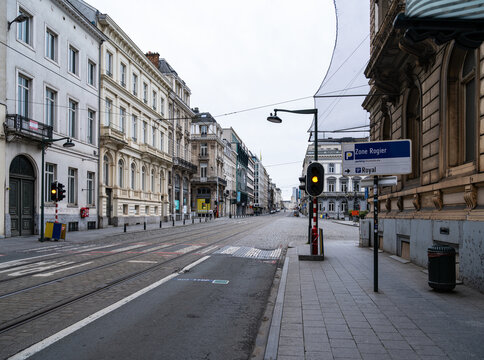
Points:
[(57, 304)]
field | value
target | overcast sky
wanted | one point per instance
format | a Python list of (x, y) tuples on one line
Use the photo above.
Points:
[(239, 55)]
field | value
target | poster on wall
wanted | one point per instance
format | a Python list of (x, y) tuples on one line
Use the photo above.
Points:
[(203, 205)]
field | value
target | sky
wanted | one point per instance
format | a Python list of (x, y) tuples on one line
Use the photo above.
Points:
[(242, 59)]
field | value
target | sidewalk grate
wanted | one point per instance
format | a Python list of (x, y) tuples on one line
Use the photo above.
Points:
[(250, 252)]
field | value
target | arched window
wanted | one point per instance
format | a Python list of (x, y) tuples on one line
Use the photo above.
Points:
[(462, 107), (413, 129), (143, 178), (162, 183), (152, 180), (120, 173), (133, 176), (331, 206), (106, 170)]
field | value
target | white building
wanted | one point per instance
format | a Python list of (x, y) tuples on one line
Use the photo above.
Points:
[(230, 175), (51, 63)]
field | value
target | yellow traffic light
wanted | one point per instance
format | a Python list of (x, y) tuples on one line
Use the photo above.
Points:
[(314, 179), (53, 191)]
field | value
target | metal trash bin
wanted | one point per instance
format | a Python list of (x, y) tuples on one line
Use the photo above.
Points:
[(441, 267)]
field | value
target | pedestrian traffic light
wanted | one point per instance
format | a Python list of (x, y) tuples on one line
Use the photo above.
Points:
[(61, 193), (302, 185), (315, 179), (53, 191)]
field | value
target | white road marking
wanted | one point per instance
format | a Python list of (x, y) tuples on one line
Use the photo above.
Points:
[(40, 266), (22, 261), (142, 262), (210, 248), (61, 270), (187, 249), (230, 250), (32, 350)]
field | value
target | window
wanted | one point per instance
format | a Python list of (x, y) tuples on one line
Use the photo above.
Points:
[(162, 106), (73, 60), (133, 176), (203, 170), (109, 64), (344, 206), (120, 173), (108, 114), (462, 107), (91, 115), (106, 170), (50, 98), (331, 206), (23, 97), (145, 93), (72, 186), (51, 45), (154, 99), (331, 168), (24, 28), (153, 136), (344, 185), (161, 140), (143, 178), (331, 185), (90, 188), (356, 185), (135, 84), (71, 131), (203, 149), (145, 131), (122, 120), (134, 127), (91, 73), (413, 129), (161, 182), (49, 179), (123, 75), (203, 129), (152, 181)]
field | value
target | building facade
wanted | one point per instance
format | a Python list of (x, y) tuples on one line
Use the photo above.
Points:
[(51, 69), (432, 95), (208, 185), (261, 179), (230, 174)]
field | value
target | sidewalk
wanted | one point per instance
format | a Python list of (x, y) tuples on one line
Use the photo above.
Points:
[(328, 310)]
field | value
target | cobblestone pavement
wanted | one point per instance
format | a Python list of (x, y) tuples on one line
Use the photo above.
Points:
[(328, 309)]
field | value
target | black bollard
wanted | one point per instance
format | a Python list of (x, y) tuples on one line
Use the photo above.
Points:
[(173, 221), (160, 223), (125, 225), (193, 221), (183, 221), (144, 225)]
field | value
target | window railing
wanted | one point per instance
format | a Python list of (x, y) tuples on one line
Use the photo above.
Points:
[(28, 127)]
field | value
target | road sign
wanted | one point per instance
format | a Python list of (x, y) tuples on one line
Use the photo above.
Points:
[(385, 181), (377, 158)]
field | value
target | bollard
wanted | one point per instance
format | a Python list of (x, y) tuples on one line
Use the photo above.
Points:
[(193, 221), (200, 218), (183, 221), (173, 221), (160, 223), (125, 227), (144, 225), (205, 219)]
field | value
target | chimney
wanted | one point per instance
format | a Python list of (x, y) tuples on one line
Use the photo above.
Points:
[(154, 58)]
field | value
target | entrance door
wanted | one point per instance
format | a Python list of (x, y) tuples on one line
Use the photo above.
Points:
[(109, 205), (21, 197)]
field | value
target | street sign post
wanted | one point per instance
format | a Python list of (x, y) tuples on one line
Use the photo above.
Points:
[(377, 158)]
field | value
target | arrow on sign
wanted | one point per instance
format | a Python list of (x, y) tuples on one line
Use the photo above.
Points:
[(347, 171)]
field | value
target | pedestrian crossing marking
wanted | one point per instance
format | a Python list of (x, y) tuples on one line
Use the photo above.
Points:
[(250, 252)]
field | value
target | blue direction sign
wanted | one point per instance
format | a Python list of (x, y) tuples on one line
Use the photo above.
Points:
[(377, 158)]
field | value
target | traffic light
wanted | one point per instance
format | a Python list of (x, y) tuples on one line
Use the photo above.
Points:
[(315, 179), (61, 193), (53, 191), (302, 185)]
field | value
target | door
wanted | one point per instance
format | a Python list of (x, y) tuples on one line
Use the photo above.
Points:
[(21, 196), (21, 205), (109, 205)]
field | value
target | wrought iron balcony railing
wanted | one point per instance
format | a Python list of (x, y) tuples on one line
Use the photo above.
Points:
[(21, 125)]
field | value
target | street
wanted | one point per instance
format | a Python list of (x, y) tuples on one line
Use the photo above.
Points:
[(215, 307)]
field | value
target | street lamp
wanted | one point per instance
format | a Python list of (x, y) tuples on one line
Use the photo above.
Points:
[(44, 143), (21, 18), (277, 120)]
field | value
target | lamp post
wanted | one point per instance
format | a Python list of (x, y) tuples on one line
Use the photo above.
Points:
[(276, 119), (44, 143), (19, 19)]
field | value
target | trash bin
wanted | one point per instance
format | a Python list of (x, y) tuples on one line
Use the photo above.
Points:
[(441, 267)]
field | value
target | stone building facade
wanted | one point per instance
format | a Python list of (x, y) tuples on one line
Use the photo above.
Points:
[(431, 94), (208, 184)]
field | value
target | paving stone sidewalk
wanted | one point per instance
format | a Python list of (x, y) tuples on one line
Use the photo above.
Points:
[(330, 311)]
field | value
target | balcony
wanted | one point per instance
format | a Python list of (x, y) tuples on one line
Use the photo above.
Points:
[(184, 165), (209, 180), (27, 128), (112, 135)]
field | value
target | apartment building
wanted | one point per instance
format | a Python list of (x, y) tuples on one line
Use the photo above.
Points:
[(50, 67), (209, 183)]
